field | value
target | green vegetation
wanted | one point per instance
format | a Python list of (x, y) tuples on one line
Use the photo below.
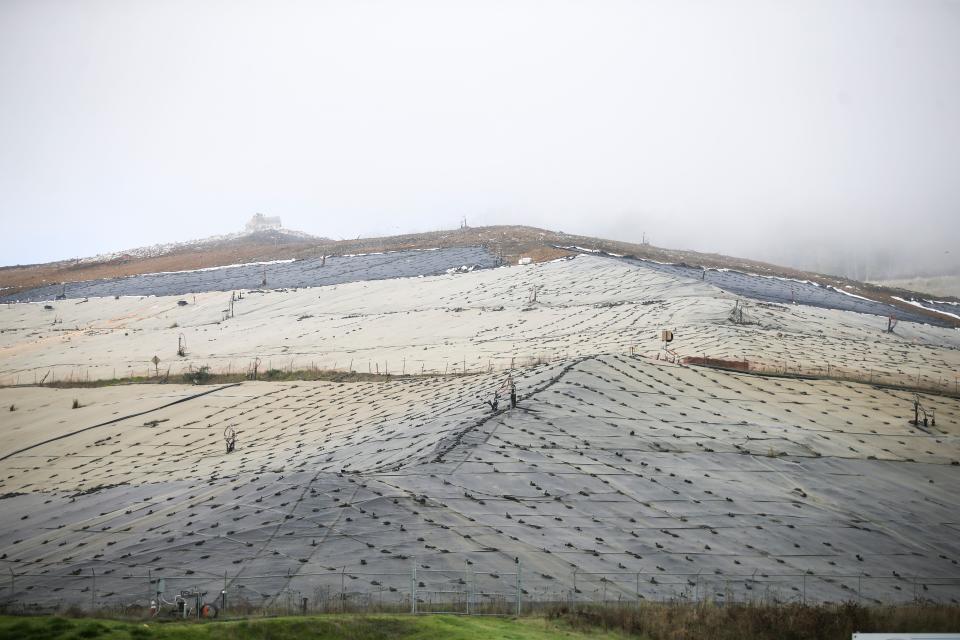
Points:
[(758, 622), (328, 627), (649, 622)]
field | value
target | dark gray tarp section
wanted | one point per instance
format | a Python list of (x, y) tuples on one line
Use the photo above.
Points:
[(310, 272), (784, 290)]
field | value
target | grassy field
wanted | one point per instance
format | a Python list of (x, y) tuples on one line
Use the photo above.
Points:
[(649, 622), (327, 627)]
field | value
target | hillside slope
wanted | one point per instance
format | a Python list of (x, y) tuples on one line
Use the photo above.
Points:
[(508, 242), (622, 474)]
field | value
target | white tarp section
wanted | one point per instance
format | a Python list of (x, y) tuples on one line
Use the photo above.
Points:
[(618, 476)]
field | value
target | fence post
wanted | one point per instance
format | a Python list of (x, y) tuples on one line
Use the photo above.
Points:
[(343, 597), (149, 587), (804, 589), (93, 591), (413, 586), (13, 583), (469, 587), (518, 586), (223, 594)]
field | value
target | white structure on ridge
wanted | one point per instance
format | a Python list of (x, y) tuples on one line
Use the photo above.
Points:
[(260, 222)]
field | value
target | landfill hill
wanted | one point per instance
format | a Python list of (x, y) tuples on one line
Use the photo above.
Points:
[(768, 452)]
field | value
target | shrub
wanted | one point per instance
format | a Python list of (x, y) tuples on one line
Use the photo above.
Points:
[(200, 376), (91, 630)]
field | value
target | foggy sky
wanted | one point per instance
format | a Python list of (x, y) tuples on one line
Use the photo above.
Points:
[(820, 134)]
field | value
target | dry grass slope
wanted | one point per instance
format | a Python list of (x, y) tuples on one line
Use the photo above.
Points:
[(759, 622)]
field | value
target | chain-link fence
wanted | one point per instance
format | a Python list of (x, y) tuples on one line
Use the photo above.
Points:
[(471, 591), (794, 588)]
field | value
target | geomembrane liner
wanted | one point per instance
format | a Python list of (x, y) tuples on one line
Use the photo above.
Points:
[(615, 478), (788, 291), (309, 272), (622, 475)]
